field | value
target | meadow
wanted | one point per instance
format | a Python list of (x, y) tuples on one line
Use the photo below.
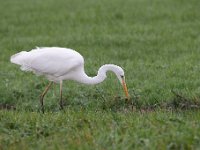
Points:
[(155, 41)]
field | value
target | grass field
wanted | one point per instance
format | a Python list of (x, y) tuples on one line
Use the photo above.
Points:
[(155, 41)]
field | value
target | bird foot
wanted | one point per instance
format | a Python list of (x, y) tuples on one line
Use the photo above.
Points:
[(61, 107), (42, 109)]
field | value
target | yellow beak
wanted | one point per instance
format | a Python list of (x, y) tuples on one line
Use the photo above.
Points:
[(125, 88)]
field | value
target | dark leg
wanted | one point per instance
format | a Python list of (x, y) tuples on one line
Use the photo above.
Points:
[(61, 101), (42, 96)]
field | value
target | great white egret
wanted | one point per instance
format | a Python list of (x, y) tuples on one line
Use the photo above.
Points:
[(59, 64)]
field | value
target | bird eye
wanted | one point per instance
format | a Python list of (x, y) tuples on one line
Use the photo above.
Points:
[(122, 76)]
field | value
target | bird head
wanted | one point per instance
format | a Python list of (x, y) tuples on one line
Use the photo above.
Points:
[(119, 73), (121, 77)]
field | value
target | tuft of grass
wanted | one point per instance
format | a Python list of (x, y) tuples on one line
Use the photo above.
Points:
[(183, 103)]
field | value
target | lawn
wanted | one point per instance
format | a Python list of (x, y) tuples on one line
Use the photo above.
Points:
[(155, 41)]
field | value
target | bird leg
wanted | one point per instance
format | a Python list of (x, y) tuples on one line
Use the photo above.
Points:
[(61, 101), (42, 96)]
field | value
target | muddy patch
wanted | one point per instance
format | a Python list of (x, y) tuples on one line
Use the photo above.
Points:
[(178, 102)]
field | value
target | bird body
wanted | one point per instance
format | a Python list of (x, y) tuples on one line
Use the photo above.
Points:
[(55, 63), (59, 64)]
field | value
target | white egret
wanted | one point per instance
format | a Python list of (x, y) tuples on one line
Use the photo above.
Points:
[(59, 64)]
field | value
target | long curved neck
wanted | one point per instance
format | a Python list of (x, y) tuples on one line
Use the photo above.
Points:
[(101, 76)]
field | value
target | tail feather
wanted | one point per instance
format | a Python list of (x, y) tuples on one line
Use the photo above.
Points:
[(18, 58)]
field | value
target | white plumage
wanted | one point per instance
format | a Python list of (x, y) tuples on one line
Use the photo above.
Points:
[(55, 63), (59, 64)]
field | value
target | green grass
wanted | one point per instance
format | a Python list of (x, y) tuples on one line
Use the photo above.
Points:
[(155, 41), (100, 130)]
